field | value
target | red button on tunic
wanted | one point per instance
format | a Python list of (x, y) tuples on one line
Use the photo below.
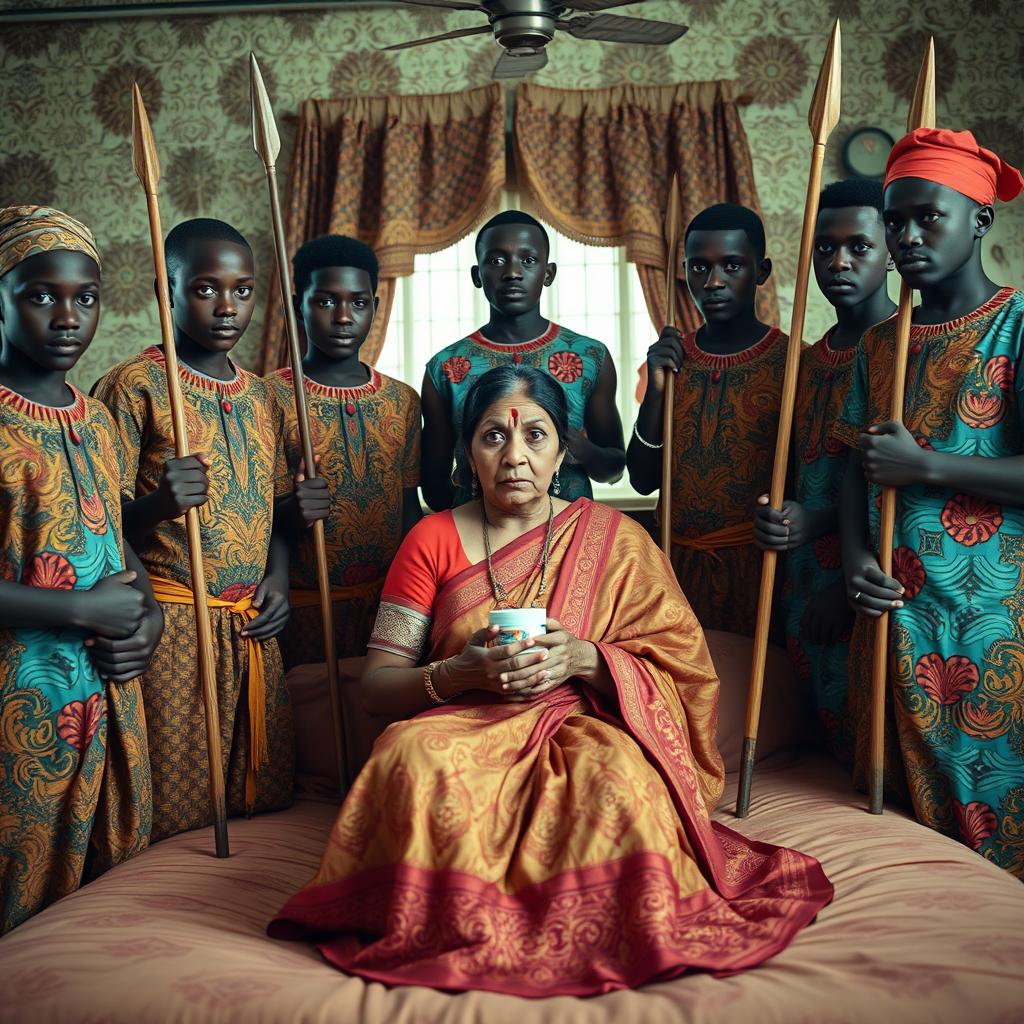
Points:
[(716, 375), (226, 405), (916, 347), (350, 409), (828, 375), (517, 359)]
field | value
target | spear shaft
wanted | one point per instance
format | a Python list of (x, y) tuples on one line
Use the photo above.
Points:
[(922, 115), (668, 408), (267, 144), (823, 117), (148, 169)]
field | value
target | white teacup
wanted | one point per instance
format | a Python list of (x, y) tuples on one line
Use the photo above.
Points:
[(515, 624)]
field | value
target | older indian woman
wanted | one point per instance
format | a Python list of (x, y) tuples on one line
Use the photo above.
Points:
[(540, 823)]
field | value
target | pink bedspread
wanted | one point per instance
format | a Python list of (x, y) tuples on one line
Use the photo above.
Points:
[(921, 929)]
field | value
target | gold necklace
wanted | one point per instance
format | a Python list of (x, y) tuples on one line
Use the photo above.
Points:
[(500, 593)]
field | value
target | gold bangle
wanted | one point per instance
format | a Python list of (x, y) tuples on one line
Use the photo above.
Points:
[(428, 684)]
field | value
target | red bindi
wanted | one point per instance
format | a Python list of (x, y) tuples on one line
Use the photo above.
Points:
[(515, 416)]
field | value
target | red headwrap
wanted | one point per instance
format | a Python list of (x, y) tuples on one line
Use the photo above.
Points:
[(956, 160)]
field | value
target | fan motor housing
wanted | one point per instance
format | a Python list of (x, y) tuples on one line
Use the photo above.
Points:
[(522, 25)]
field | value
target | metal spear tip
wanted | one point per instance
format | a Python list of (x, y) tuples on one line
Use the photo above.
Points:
[(825, 103), (265, 138), (922, 106), (147, 165)]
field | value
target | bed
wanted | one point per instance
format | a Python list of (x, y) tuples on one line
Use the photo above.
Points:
[(921, 928)]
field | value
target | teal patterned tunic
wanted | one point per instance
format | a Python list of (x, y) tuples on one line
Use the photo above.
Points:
[(574, 360), (819, 462), (956, 668)]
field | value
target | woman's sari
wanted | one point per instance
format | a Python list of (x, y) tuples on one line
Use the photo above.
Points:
[(561, 846)]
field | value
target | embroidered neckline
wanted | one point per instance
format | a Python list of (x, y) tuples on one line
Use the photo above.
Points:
[(372, 386), (834, 356), (235, 386), (920, 332), (478, 338), (721, 362), (73, 413)]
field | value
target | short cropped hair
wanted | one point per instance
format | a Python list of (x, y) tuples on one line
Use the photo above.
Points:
[(853, 192), (202, 229), (730, 217), (511, 217), (333, 251)]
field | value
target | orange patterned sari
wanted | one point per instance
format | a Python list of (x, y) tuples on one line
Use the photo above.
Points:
[(561, 846)]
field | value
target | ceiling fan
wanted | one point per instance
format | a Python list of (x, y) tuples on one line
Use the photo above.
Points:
[(523, 28)]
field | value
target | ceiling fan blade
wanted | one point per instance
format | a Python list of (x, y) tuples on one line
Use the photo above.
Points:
[(511, 66), (589, 6), (451, 5), (458, 33), (614, 28)]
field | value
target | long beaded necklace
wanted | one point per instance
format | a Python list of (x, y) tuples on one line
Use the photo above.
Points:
[(500, 593)]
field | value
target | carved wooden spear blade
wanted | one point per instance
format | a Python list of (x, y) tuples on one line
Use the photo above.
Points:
[(922, 115), (672, 228), (267, 143), (147, 167), (265, 138), (147, 164), (822, 119)]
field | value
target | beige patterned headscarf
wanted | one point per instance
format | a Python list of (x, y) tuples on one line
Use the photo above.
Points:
[(28, 230)]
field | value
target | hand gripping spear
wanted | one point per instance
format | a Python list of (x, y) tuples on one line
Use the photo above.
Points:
[(267, 143), (823, 117), (922, 115), (147, 167), (672, 244)]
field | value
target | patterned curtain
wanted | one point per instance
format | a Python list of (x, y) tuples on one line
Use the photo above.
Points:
[(405, 174), (597, 164)]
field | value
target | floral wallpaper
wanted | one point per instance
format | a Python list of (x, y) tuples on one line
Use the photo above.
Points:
[(64, 93)]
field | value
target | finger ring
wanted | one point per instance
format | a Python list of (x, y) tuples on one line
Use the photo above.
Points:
[(856, 596)]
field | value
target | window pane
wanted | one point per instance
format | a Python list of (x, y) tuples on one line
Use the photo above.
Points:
[(595, 293)]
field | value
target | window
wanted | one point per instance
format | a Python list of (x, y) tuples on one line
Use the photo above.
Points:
[(597, 292)]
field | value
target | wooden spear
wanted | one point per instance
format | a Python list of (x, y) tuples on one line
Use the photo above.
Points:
[(267, 143), (822, 119), (147, 167), (922, 115), (672, 228)]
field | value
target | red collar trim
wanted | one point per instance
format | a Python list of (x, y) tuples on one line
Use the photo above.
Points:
[(920, 332), (199, 380), (478, 338), (73, 413), (832, 356), (372, 386), (720, 362)]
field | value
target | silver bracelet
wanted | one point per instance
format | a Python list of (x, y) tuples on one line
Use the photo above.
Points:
[(646, 444)]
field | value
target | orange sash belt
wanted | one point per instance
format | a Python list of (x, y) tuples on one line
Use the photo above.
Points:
[(735, 536), (309, 598), (170, 592)]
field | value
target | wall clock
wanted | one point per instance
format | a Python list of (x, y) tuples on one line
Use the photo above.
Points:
[(865, 152)]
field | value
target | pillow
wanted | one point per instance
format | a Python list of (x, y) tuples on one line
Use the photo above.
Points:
[(316, 772), (783, 712)]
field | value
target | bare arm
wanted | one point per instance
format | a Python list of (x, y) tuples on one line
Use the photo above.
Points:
[(438, 449), (601, 451), (664, 358), (412, 512)]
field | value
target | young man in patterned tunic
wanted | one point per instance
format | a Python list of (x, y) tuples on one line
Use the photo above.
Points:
[(727, 377), (956, 642), (78, 620), (513, 270), (238, 470), (851, 264), (366, 433)]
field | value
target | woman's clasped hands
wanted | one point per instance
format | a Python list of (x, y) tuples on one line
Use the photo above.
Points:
[(519, 671)]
